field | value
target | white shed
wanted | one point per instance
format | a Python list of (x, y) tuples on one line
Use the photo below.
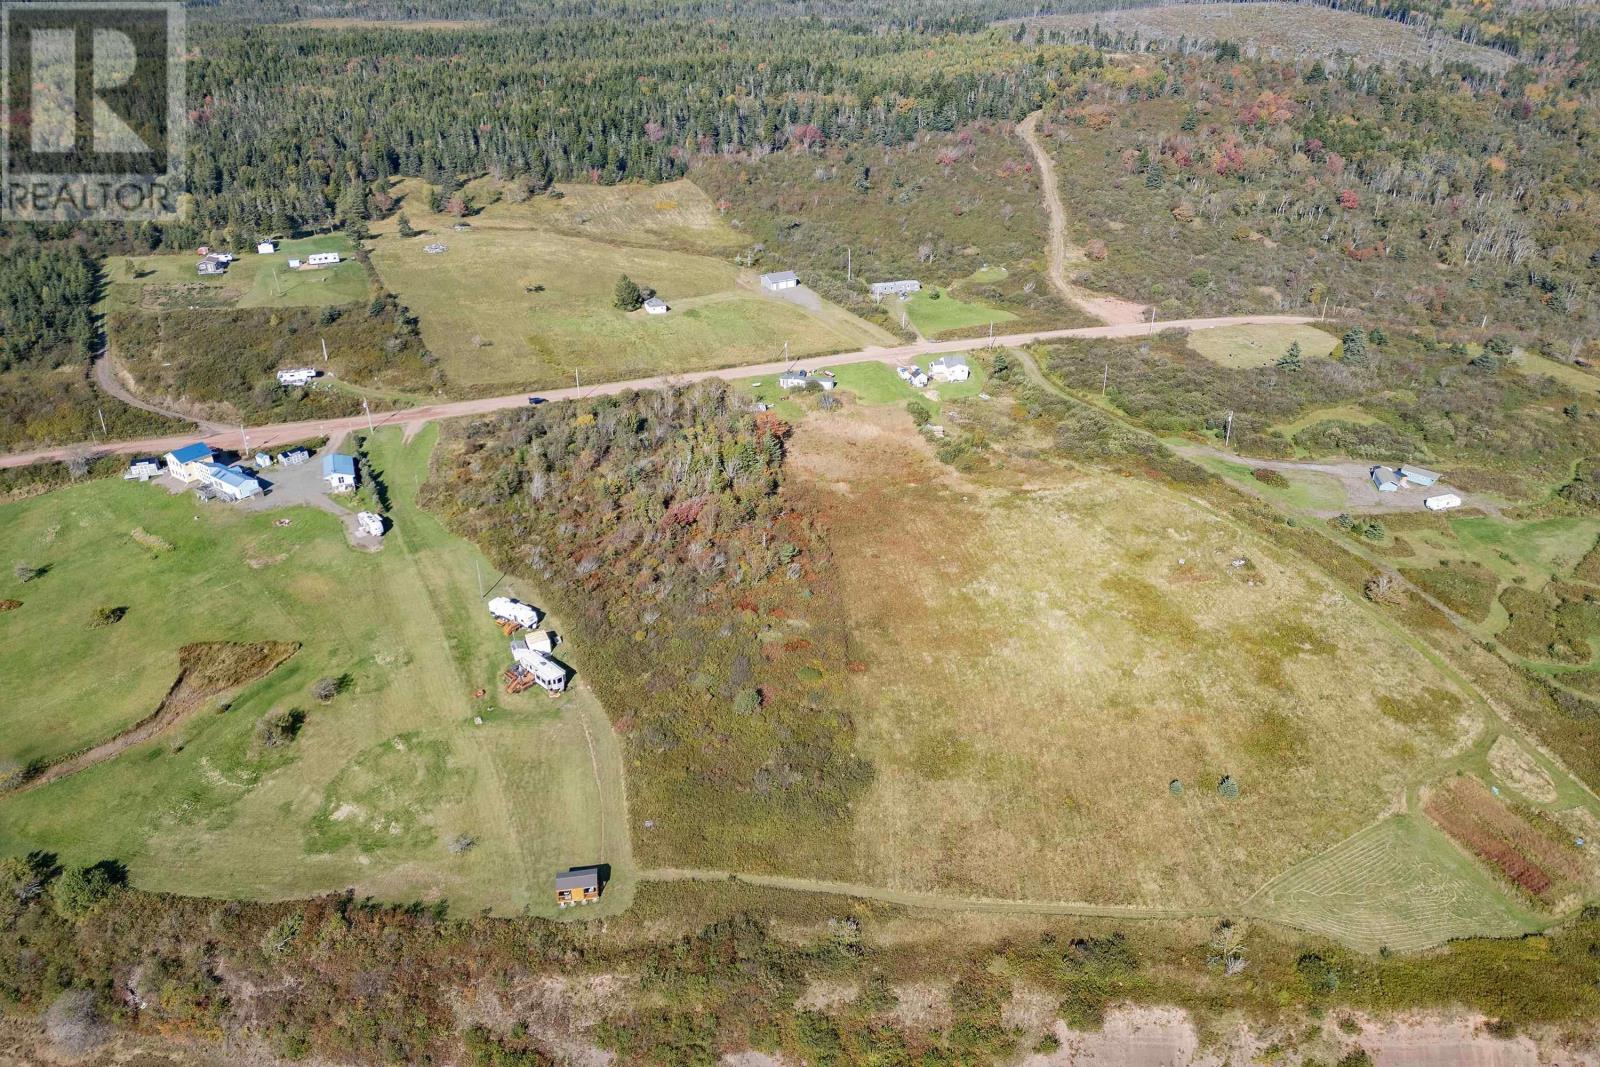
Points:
[(503, 607), (1442, 502), (266, 248), (782, 279), (656, 306)]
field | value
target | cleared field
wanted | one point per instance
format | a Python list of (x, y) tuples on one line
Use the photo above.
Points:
[(1565, 373), (933, 316), (1398, 884), (1259, 346), (169, 282), (1283, 30), (519, 299), (379, 781), (1041, 664), (869, 383), (1337, 413), (1307, 490)]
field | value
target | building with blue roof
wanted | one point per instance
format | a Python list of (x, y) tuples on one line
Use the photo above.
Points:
[(339, 471), (187, 464)]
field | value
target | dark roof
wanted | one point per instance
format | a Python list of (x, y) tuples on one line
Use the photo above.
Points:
[(578, 878)]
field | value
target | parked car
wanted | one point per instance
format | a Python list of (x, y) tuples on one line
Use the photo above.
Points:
[(536, 400)]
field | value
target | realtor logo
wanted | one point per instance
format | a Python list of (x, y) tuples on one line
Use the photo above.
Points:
[(94, 111)]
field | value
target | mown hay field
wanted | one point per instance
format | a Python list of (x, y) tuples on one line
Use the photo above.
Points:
[(379, 781), (169, 282), (1040, 662), (524, 297), (1260, 345)]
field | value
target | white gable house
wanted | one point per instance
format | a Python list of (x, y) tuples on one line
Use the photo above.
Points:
[(950, 369)]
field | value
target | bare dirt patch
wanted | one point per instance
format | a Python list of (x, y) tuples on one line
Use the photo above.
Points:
[(1513, 765)]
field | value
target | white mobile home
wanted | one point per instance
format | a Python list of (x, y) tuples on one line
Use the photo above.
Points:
[(322, 259), (295, 377), (903, 288), (229, 483), (551, 676), (509, 610), (1442, 502)]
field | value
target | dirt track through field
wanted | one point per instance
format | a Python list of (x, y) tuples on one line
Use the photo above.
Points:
[(1108, 309)]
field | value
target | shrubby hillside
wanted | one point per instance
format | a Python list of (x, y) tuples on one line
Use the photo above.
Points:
[(658, 525)]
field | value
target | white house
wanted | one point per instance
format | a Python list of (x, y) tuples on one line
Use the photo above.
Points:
[(295, 377), (509, 610), (793, 379), (322, 259), (1443, 502), (339, 471), (293, 457), (950, 369), (903, 288), (783, 279), (142, 470), (187, 464), (1385, 480), (229, 483), (656, 306), (369, 524), (266, 248), (913, 375)]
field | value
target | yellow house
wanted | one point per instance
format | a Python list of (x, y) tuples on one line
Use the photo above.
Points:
[(189, 463)]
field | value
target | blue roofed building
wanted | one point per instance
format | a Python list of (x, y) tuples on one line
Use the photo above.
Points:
[(187, 464), (339, 471)]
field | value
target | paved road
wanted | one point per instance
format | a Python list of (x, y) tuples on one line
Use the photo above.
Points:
[(274, 434)]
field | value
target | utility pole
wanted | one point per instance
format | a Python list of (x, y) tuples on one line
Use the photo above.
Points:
[(478, 570), (849, 265), (368, 409), (1227, 434), (103, 431), (324, 351), (244, 442), (1105, 379)]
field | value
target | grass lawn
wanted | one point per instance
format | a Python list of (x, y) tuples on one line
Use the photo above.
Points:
[(377, 783), (933, 315), (169, 282), (1337, 413), (1400, 884), (1565, 373), (1259, 346), (871, 383), (1147, 656), (1537, 549), (1310, 491), (524, 296)]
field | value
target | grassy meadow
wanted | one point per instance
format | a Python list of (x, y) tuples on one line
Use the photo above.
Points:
[(1260, 345), (524, 296), (934, 315), (378, 782), (1035, 761), (169, 283)]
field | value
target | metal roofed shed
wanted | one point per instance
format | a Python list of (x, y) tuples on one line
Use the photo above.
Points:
[(1385, 480), (782, 279), (1417, 475), (580, 885)]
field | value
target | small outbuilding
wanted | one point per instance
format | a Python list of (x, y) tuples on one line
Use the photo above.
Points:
[(951, 368), (263, 460), (187, 464), (294, 264), (913, 376), (541, 641), (1442, 502), (142, 470), (211, 266), (294, 457), (339, 471), (580, 885), (1385, 480), (656, 306), (266, 248), (508, 610), (369, 524), (1417, 475), (779, 280)]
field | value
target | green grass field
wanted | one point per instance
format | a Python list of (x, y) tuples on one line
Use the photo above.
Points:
[(933, 315), (1398, 884), (379, 780), (1307, 490), (1259, 346), (524, 297), (870, 383), (169, 282)]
